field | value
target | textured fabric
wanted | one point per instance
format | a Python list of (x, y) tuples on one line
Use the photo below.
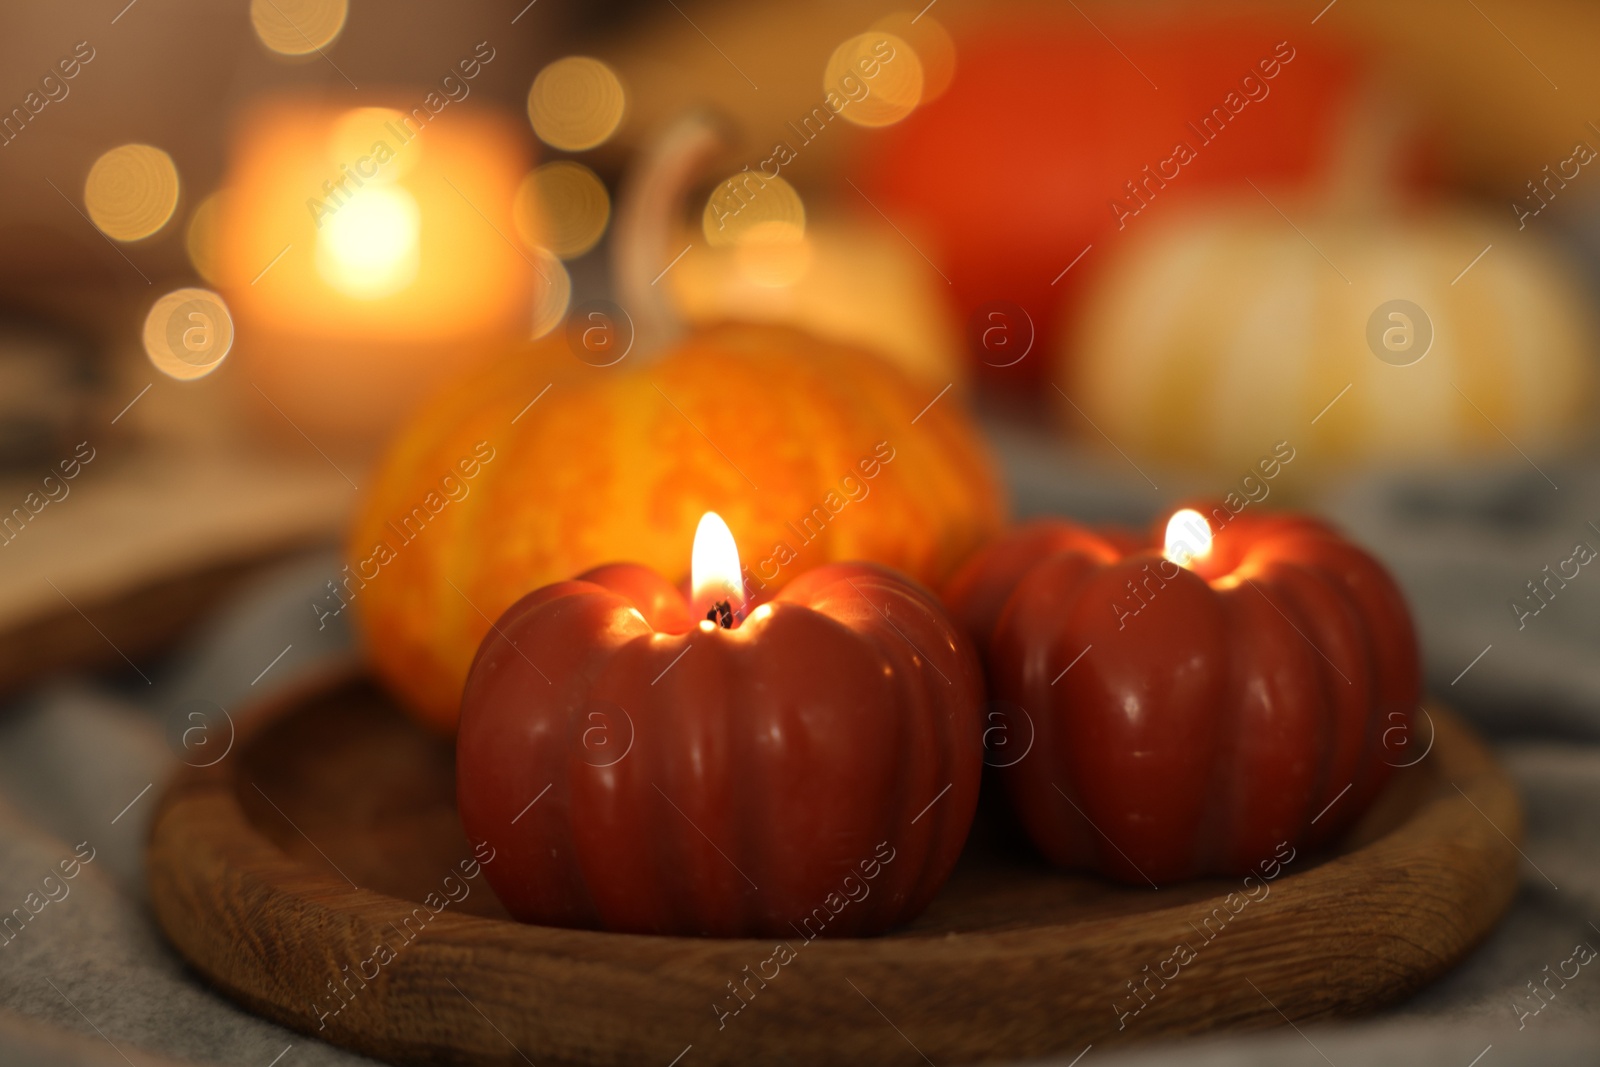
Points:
[(90, 969), (75, 760)]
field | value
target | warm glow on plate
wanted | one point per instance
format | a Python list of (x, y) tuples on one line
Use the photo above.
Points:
[(1188, 537), (877, 76), (131, 191), (576, 103), (188, 333), (297, 27), (714, 565), (562, 206), (369, 247)]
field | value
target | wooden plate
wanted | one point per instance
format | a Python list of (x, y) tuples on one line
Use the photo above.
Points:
[(280, 870)]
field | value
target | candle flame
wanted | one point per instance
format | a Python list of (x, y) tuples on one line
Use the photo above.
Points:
[(368, 248), (714, 573), (1188, 537)]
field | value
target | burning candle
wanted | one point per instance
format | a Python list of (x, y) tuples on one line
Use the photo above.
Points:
[(366, 253), (715, 582), (649, 763), (1188, 706)]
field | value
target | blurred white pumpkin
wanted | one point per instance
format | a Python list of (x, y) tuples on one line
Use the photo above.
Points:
[(1221, 331)]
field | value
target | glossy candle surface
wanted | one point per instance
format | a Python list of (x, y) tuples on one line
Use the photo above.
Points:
[(1181, 720), (812, 770)]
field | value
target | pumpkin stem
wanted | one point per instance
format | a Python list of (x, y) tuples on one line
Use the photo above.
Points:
[(1371, 153), (648, 212)]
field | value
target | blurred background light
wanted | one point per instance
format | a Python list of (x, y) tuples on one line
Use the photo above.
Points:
[(576, 103), (361, 281), (131, 191), (200, 239), (297, 27), (363, 129), (553, 293), (369, 247), (188, 333), (749, 206), (935, 48), (878, 75), (563, 207)]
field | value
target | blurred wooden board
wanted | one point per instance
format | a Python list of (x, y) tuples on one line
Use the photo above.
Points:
[(143, 542), (290, 861)]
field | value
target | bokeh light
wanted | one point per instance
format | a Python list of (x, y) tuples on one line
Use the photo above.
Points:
[(188, 333), (553, 295), (562, 206), (131, 191), (200, 240), (878, 77), (297, 27), (935, 48), (368, 248), (576, 103), (1188, 537), (749, 207)]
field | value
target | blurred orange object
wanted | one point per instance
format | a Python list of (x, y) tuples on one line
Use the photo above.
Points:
[(368, 252), (1052, 145), (544, 466)]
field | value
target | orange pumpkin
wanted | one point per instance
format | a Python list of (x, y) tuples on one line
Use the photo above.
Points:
[(807, 448)]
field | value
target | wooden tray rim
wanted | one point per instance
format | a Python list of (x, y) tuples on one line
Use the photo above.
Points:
[(199, 815)]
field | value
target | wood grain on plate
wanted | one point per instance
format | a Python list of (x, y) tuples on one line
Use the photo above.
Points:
[(280, 870)]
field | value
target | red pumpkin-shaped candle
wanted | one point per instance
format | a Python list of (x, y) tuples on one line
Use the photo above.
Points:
[(1184, 711), (645, 765)]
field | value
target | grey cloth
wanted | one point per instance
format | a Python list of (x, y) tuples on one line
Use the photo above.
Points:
[(75, 760), (92, 980), (1466, 549)]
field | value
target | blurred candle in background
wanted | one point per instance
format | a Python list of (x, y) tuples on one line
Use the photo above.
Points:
[(367, 253)]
